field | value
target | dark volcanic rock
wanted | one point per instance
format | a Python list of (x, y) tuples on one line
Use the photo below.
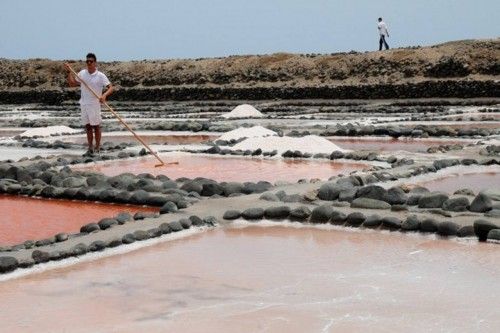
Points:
[(429, 225), (411, 223), (368, 203), (466, 231), (40, 256), (372, 192), (330, 191), (494, 234), (175, 226), (372, 221), (300, 213), (321, 214), (128, 239), (448, 228), (396, 196), (355, 219), (195, 220), (481, 203), (140, 235), (280, 212), (269, 196), (97, 246), (169, 207), (432, 200), (391, 222), (232, 214), (482, 227), (123, 217), (107, 223), (459, 204), (338, 218), (253, 213), (90, 227), (8, 264)]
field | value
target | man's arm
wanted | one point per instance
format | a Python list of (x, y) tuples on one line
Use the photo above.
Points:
[(71, 79), (109, 91)]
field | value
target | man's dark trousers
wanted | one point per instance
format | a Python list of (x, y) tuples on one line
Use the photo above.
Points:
[(382, 42)]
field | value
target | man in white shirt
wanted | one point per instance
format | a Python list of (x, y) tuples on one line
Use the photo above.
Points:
[(382, 30), (89, 104)]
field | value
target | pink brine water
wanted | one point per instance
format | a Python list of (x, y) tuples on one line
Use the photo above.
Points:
[(272, 279)]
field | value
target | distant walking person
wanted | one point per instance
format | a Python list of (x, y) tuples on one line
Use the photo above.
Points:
[(382, 30), (89, 104)]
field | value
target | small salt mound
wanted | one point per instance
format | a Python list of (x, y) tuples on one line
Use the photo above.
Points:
[(247, 132), (48, 131), (308, 144), (244, 111)]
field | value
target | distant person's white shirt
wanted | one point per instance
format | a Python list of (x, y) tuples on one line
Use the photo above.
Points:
[(97, 81), (382, 28)]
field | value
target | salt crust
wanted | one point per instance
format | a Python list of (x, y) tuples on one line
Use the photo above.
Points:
[(247, 132), (243, 111), (308, 144), (48, 131), (108, 252)]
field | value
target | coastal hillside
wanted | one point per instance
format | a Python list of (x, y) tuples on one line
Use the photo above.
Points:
[(468, 68)]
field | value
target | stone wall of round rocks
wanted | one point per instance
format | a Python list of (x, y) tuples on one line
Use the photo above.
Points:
[(10, 263), (327, 214), (426, 89)]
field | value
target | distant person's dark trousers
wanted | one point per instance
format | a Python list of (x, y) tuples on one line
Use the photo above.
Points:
[(382, 42)]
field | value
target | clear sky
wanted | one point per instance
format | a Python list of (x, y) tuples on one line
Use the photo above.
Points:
[(155, 29)]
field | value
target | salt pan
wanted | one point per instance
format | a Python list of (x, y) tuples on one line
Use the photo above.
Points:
[(48, 131), (308, 144), (244, 111), (247, 132)]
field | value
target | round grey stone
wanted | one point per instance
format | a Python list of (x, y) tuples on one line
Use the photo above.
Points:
[(368, 203), (448, 228), (411, 223), (169, 207), (432, 200), (107, 223), (459, 204), (429, 225), (321, 214), (8, 264), (482, 227), (175, 226), (355, 219), (253, 213), (300, 213), (372, 221), (128, 239), (231, 214), (280, 212)]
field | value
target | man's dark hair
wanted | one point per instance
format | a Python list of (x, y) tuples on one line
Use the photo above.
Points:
[(380, 19), (92, 56)]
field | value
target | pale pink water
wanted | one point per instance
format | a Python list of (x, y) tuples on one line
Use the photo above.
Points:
[(406, 144), (228, 169), (149, 139), (26, 218), (272, 279), (473, 181)]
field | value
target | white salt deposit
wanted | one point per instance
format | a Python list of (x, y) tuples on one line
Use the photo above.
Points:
[(247, 132), (244, 111), (48, 131), (308, 144)]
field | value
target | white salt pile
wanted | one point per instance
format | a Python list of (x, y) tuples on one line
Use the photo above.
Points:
[(48, 131), (308, 144), (244, 111), (247, 132)]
